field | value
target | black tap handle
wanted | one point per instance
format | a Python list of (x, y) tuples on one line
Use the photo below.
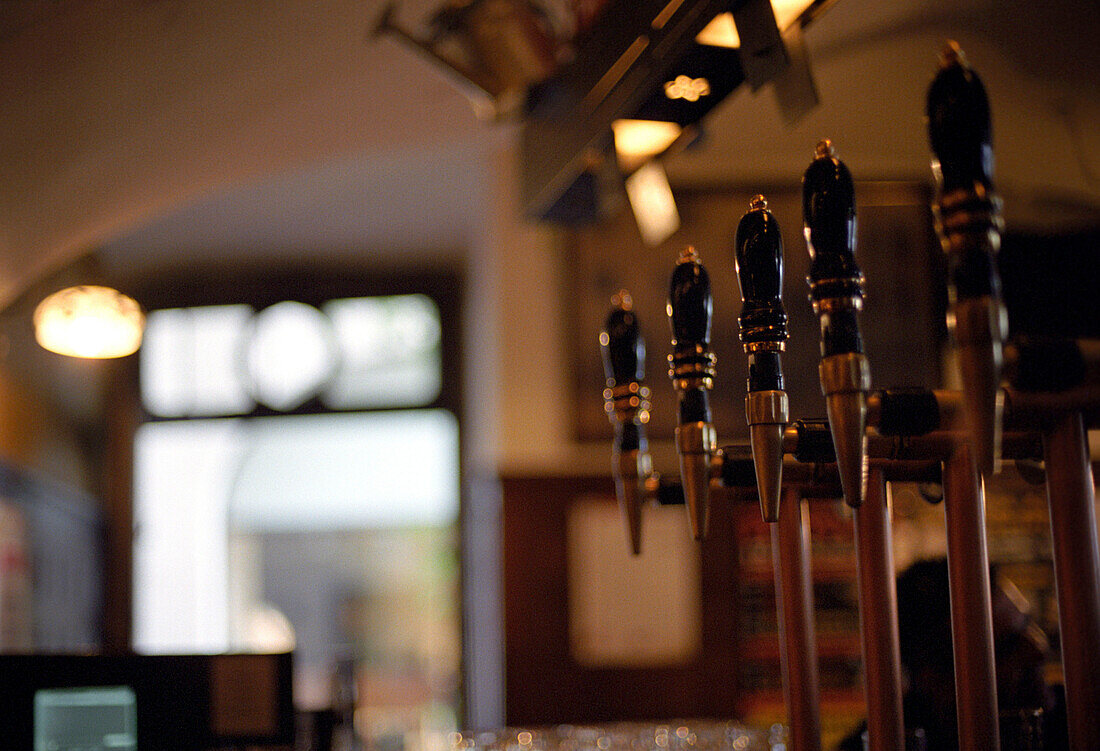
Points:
[(829, 217), (836, 282), (763, 329), (836, 291), (760, 273), (737, 469), (626, 401), (626, 395), (691, 364), (959, 124), (690, 304), (907, 411), (815, 442), (622, 344), (763, 322), (968, 209), (691, 367), (969, 223)]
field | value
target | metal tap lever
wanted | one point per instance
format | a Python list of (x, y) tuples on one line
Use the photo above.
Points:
[(691, 368), (763, 330), (626, 399), (969, 223), (836, 292)]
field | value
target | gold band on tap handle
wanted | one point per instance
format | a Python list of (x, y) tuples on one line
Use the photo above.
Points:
[(626, 400), (763, 333), (969, 222), (836, 292), (692, 368)]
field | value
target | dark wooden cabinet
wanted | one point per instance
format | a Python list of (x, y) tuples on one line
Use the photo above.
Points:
[(734, 673)]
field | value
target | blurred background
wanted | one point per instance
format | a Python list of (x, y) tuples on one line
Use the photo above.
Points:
[(365, 422)]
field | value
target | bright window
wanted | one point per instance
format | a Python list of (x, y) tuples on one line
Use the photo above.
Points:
[(199, 482), (332, 530), (356, 353)]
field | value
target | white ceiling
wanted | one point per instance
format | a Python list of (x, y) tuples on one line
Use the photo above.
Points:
[(175, 131), (412, 202), (873, 62), (202, 128), (118, 113)]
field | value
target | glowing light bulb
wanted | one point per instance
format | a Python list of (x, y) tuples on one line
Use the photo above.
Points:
[(89, 321)]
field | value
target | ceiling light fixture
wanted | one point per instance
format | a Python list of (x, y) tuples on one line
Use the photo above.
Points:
[(652, 202), (89, 321), (637, 141), (722, 31), (687, 88)]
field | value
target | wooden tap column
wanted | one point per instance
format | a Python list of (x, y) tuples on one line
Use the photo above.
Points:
[(971, 610), (1071, 495), (878, 618), (798, 645)]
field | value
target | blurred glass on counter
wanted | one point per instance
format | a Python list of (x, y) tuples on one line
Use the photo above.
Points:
[(676, 735)]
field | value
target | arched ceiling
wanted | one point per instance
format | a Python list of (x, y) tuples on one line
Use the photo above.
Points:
[(201, 126), (873, 62), (117, 113)]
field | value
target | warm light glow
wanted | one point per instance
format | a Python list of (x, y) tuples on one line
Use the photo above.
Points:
[(722, 31), (654, 207), (788, 11), (687, 88), (89, 321), (636, 141), (643, 138)]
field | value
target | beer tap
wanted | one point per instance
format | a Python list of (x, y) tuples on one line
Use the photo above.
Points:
[(763, 331), (626, 399), (968, 221), (836, 292), (691, 368), (969, 224)]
